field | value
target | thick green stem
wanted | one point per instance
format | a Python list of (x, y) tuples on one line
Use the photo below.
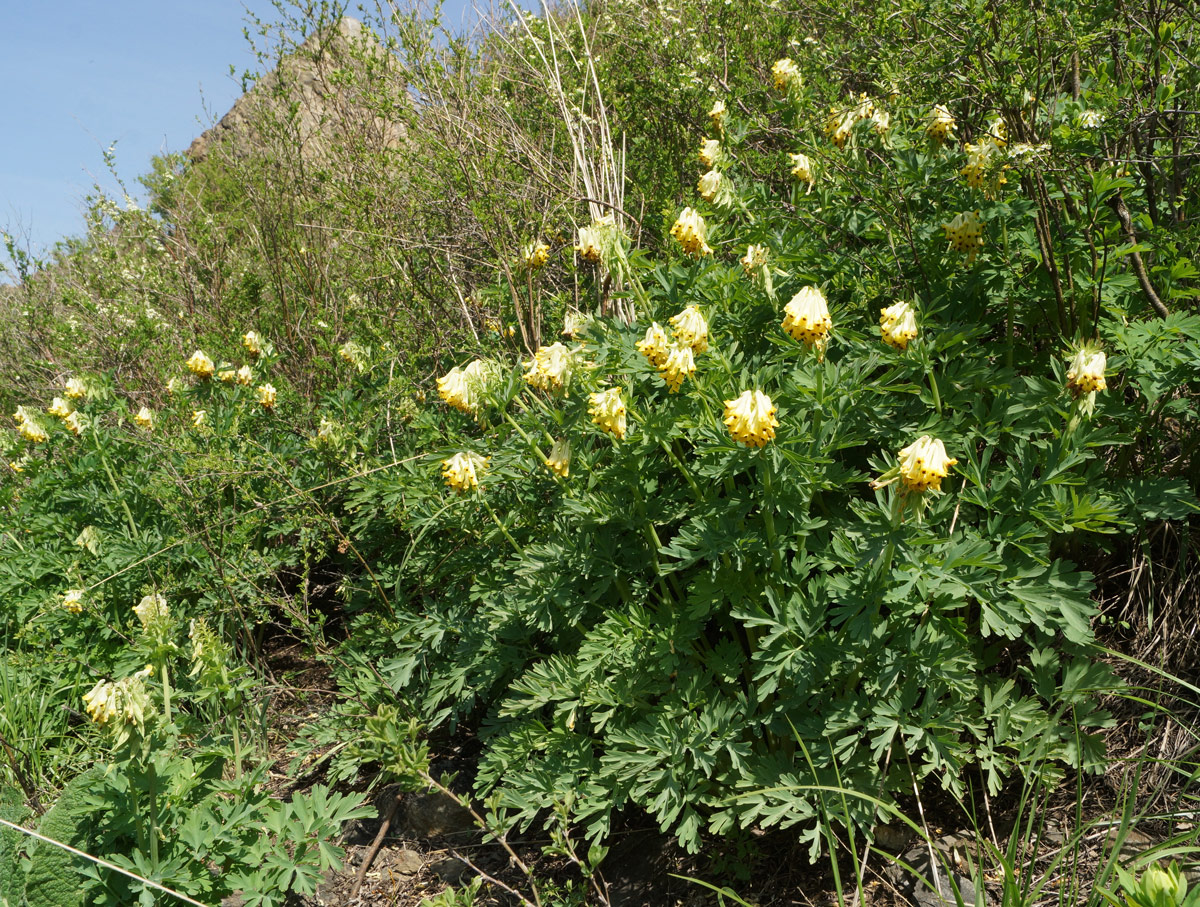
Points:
[(678, 464), (152, 777), (933, 389), (166, 682)]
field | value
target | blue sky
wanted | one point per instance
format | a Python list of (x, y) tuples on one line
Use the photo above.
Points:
[(78, 75)]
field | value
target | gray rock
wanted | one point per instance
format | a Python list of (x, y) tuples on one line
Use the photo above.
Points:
[(429, 815), (450, 870), (406, 862), (927, 886)]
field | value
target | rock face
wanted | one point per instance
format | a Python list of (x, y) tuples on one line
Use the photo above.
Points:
[(316, 95)]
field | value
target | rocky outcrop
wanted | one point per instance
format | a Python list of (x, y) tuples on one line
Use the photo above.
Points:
[(316, 95)]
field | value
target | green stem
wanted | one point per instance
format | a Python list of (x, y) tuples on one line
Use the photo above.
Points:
[(933, 389), (528, 440), (152, 776), (166, 682), (678, 464), (113, 481), (768, 515), (503, 531)]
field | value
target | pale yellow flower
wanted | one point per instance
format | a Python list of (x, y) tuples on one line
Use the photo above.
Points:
[(802, 169), (74, 426), (22, 415), (898, 324), (559, 461), (838, 125), (1085, 374), (680, 364), (124, 701), (32, 431), (266, 396), (710, 152), (76, 389), (750, 418), (535, 255), (806, 318), (200, 365), (252, 342), (709, 185), (941, 124), (785, 74), (965, 233), (923, 464), (718, 115), (173, 386), (245, 376), (881, 122), (350, 352), (227, 376), (145, 418), (755, 258), (1090, 119), (984, 169), (589, 244), (463, 471), (550, 368), (460, 387), (72, 600), (691, 328), (691, 232), (654, 345), (198, 417), (607, 410), (151, 608), (60, 408)]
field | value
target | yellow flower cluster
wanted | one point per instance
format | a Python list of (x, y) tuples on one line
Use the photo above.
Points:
[(72, 600), (28, 427), (353, 354), (802, 169), (201, 366), (655, 345), (840, 121), (806, 318), (691, 328), (718, 115), (463, 470), (460, 386), (984, 169), (550, 368), (965, 233), (923, 464), (1085, 374), (754, 259), (152, 608), (559, 461), (940, 125), (691, 232), (76, 389), (252, 342), (226, 376), (60, 408), (607, 410), (145, 418), (881, 121), (199, 416), (594, 237), (898, 325), (786, 74), (535, 255), (750, 418), (266, 396), (709, 185), (675, 358), (710, 152), (680, 364), (245, 376), (125, 700), (73, 424)]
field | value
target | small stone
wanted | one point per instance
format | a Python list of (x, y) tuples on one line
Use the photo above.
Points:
[(450, 870), (429, 815), (406, 862)]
